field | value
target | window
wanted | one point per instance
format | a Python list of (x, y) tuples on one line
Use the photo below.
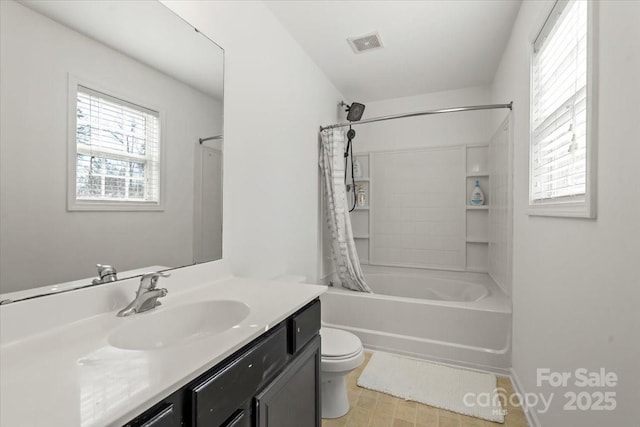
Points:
[(116, 154), (562, 162)]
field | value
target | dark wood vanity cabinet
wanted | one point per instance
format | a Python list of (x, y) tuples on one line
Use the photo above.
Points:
[(274, 381)]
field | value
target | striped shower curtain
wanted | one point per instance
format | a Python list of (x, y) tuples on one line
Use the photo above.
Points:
[(343, 247)]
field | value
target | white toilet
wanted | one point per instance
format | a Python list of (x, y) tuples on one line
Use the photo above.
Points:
[(342, 352)]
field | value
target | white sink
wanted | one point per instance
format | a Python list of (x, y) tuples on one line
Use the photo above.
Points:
[(169, 326)]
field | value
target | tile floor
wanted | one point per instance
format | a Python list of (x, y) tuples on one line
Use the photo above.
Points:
[(373, 409)]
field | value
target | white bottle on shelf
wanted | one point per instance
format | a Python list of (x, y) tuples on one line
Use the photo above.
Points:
[(361, 196), (477, 196)]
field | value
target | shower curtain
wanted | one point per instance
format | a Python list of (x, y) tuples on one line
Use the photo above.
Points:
[(343, 247)]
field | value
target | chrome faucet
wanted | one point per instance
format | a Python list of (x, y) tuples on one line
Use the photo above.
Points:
[(106, 274), (147, 295)]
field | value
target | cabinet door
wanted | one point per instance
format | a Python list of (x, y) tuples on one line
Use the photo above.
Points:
[(239, 419), (293, 398)]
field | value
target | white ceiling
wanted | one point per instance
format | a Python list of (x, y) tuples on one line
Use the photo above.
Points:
[(147, 31), (429, 45)]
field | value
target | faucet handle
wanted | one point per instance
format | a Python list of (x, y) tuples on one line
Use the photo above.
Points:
[(104, 269), (106, 274), (148, 281)]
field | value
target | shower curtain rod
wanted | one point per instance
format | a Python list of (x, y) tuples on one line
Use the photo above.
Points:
[(210, 138), (420, 113)]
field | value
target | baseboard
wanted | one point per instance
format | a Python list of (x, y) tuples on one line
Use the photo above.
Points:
[(532, 418)]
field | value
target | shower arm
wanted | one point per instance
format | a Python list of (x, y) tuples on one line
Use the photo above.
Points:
[(210, 138), (421, 113)]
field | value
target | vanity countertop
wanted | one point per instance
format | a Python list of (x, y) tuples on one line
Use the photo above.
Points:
[(67, 374)]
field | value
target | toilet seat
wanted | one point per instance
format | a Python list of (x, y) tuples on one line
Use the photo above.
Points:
[(337, 344), (346, 356), (341, 351)]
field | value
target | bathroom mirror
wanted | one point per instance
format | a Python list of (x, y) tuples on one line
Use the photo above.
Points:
[(103, 107)]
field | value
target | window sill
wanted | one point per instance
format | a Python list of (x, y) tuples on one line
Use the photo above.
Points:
[(563, 210), (106, 206)]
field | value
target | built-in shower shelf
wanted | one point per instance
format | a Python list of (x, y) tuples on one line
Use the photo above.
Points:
[(360, 216), (477, 216)]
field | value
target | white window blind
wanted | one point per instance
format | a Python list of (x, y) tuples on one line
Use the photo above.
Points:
[(117, 150), (559, 108)]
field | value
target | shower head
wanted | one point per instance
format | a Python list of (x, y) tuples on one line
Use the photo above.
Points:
[(354, 111)]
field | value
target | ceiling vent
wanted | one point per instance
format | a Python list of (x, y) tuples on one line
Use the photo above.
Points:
[(364, 43)]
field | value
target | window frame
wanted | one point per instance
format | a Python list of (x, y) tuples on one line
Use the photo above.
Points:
[(570, 206), (75, 204)]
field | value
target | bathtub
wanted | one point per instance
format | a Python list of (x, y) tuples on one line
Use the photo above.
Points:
[(452, 317)]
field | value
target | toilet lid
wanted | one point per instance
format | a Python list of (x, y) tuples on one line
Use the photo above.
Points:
[(337, 343)]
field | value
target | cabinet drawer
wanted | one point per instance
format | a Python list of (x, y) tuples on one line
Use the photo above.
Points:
[(304, 326), (217, 397), (163, 415)]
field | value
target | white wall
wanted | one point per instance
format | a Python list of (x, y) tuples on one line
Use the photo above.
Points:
[(275, 100), (432, 131), (576, 284), (42, 243)]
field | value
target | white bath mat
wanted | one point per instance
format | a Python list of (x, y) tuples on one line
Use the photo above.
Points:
[(435, 385)]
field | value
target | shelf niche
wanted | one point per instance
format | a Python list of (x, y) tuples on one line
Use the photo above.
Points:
[(477, 216)]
